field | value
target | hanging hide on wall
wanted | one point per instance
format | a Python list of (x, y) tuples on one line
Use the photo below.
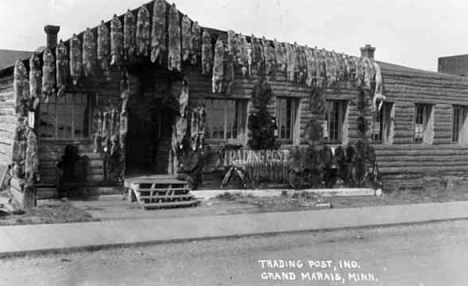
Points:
[(228, 77), (35, 80), (291, 62), (359, 78), (31, 164), (184, 97), (97, 130), (48, 74), (258, 57), (181, 131), (313, 133), (195, 44), (21, 89), (361, 101), (270, 58), (321, 64), (218, 67), (62, 68), (174, 60), (186, 38), (19, 151), (300, 72), (105, 140), (103, 46), (116, 41), (89, 53), (369, 73), (317, 98), (194, 131), (262, 94), (207, 54), (340, 67), (362, 126), (129, 36), (158, 32), (75, 59), (143, 32), (233, 45), (311, 66), (280, 55), (378, 94), (331, 69), (243, 59)]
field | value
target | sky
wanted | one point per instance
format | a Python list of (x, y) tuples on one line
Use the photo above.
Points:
[(413, 33)]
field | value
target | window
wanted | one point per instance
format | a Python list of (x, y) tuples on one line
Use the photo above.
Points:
[(334, 118), (286, 110), (460, 124), (225, 119), (382, 125), (65, 117), (423, 124)]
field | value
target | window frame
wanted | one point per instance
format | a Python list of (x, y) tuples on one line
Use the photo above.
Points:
[(426, 116), (384, 120), (241, 113), (293, 103), (462, 124), (89, 107), (342, 115)]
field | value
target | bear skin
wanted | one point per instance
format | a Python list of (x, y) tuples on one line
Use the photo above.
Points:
[(61, 67), (158, 32), (143, 32), (89, 53), (174, 60)]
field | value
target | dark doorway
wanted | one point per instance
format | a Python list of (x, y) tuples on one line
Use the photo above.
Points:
[(150, 122)]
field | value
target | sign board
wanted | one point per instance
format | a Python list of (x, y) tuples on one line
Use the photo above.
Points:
[(243, 157)]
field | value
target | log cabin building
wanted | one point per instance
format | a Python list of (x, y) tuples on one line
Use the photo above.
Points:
[(152, 92)]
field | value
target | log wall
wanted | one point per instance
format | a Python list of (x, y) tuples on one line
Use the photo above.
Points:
[(8, 119), (405, 161)]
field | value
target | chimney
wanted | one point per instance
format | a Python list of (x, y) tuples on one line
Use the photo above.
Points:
[(51, 32), (367, 52)]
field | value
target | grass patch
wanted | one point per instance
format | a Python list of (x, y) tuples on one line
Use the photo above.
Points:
[(49, 213)]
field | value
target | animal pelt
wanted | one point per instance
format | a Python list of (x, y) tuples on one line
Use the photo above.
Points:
[(369, 73), (194, 129), (262, 126), (89, 53), (378, 94), (270, 58), (116, 41), (340, 66), (103, 46), (186, 38), (48, 74), (35, 80), (123, 129), (362, 126), (184, 97), (313, 133), (21, 89), (359, 77), (233, 45), (321, 64), (280, 54), (19, 145), (300, 73), (262, 94), (331, 69), (317, 98), (311, 66), (97, 130), (228, 77), (218, 67), (143, 32), (361, 101), (129, 36), (295, 158), (62, 68), (243, 59), (31, 165), (291, 62), (181, 130), (195, 44), (174, 60), (106, 122), (158, 32), (258, 57), (207, 54), (75, 59)]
